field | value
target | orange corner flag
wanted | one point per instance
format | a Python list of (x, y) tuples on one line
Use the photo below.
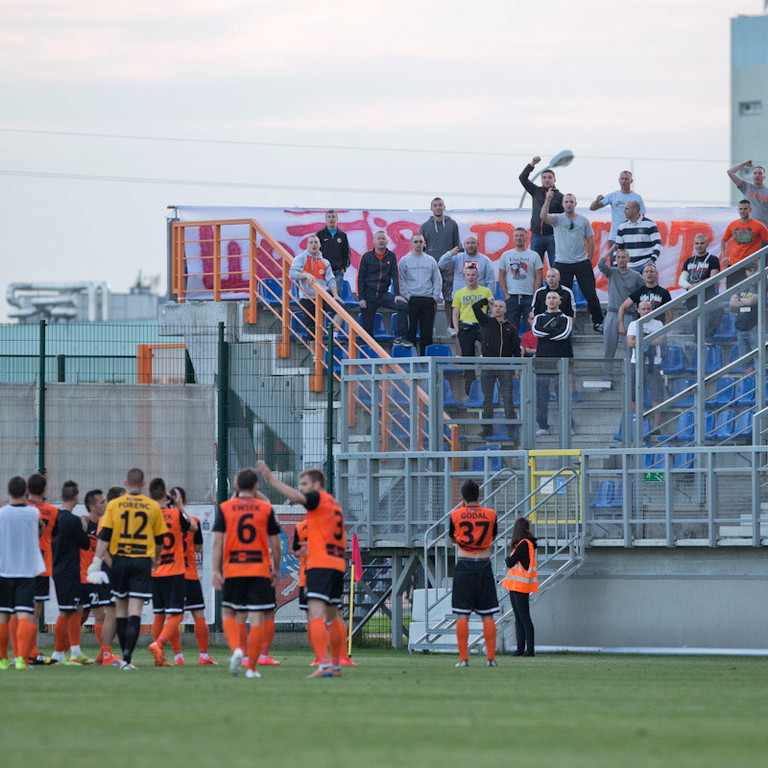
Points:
[(357, 562)]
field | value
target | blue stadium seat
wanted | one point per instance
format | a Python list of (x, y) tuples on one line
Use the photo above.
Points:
[(347, 297), (578, 295), (710, 425), (298, 327), (743, 426), (674, 362), (726, 331), (724, 392), (478, 462), (734, 355), (270, 291), (653, 462), (363, 393), (516, 393), (605, 495), (339, 353), (713, 359), (438, 350), (448, 400), (502, 431), (399, 391), (745, 391), (620, 432), (685, 430), (399, 427), (726, 421), (475, 399), (342, 332), (678, 385), (497, 294), (683, 461), (400, 351), (393, 326), (366, 350), (379, 331)]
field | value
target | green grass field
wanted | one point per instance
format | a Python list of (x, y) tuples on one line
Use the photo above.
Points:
[(392, 710)]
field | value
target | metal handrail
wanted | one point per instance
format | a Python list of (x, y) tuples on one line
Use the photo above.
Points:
[(514, 509), (285, 313), (698, 293)]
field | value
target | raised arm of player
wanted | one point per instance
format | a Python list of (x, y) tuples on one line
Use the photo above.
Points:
[(281, 487)]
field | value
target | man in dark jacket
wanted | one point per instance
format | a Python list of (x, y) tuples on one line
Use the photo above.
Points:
[(499, 338), (553, 330), (542, 236), (335, 247), (376, 272)]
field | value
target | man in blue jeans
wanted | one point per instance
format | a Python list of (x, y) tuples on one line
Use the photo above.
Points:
[(542, 237)]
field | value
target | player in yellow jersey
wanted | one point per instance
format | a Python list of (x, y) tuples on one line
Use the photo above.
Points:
[(131, 536)]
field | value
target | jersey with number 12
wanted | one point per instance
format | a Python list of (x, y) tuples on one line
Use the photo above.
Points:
[(135, 521)]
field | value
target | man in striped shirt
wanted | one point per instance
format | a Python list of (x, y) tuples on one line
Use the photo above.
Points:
[(639, 237)]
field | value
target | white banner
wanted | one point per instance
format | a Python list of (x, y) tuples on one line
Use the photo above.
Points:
[(291, 227)]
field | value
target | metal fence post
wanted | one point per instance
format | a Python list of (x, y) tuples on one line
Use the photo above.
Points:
[(222, 452), (41, 403), (329, 436)]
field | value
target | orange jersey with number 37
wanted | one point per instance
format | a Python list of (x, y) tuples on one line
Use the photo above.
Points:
[(326, 534), (473, 527)]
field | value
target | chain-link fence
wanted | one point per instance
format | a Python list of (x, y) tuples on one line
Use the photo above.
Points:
[(89, 401)]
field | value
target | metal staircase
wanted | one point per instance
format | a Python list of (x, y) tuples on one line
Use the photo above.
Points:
[(554, 510)]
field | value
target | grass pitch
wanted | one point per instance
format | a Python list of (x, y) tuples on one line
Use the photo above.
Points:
[(392, 710)]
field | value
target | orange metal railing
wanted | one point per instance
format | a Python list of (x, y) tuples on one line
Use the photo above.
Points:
[(256, 255)]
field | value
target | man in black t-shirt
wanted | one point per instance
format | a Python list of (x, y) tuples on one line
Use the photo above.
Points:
[(701, 266), (651, 292)]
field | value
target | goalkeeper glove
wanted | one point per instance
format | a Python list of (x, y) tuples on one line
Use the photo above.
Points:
[(95, 575)]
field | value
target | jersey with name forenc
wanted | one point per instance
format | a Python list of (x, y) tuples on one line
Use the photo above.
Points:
[(86, 555), (326, 534), (299, 537), (133, 521), (190, 553), (172, 561), (473, 527), (247, 523), (48, 515)]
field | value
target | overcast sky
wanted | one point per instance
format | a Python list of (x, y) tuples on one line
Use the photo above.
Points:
[(447, 98)]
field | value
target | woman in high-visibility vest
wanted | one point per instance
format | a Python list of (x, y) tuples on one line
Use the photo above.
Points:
[(521, 580)]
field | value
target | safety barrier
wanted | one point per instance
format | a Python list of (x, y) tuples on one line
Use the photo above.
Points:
[(259, 250)]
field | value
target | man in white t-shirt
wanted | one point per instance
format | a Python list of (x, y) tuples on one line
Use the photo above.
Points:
[(20, 562), (520, 272), (617, 200), (651, 357)]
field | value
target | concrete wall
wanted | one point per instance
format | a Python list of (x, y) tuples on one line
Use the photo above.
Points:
[(667, 598)]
